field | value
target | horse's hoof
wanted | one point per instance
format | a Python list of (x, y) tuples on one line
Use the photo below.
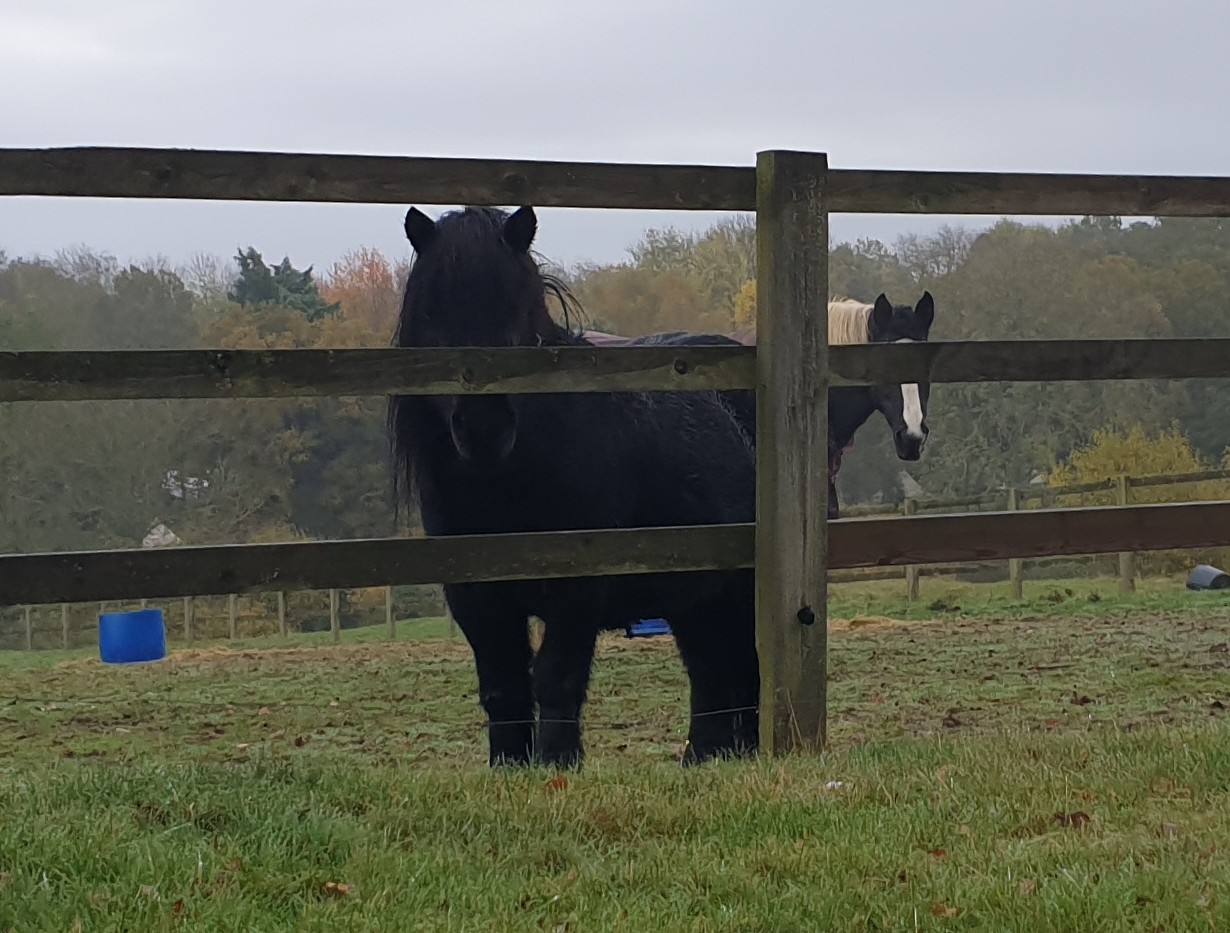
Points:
[(563, 760)]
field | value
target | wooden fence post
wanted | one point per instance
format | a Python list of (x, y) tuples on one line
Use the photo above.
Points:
[(1127, 559), (792, 380), (29, 628), (335, 622), (189, 612), (65, 640), (282, 629), (232, 615), (388, 613), (1014, 563), (910, 507)]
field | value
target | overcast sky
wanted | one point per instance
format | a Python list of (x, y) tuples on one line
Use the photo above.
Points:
[(1131, 86)]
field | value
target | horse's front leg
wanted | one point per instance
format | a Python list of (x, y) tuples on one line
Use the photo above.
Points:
[(499, 637), (561, 679)]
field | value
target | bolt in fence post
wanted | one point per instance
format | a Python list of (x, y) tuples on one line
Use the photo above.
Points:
[(1127, 559), (1014, 563), (910, 507)]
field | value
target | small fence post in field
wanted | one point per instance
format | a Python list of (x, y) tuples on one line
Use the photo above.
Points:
[(1014, 563), (792, 448), (232, 615), (29, 628), (282, 614), (388, 613), (910, 507), (64, 633), (189, 612), (1127, 559), (145, 604), (335, 622)]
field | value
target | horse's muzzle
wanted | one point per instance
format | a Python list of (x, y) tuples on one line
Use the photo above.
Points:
[(484, 428)]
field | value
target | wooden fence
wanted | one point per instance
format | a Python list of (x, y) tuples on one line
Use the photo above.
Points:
[(189, 620), (790, 546), (1013, 499)]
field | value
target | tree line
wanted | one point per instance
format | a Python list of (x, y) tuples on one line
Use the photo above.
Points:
[(102, 474)]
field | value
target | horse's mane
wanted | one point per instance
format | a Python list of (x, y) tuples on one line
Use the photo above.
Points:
[(847, 324), (848, 321), (570, 306)]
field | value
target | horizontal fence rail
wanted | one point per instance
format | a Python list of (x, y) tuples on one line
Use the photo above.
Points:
[(103, 172), (86, 576), (77, 375)]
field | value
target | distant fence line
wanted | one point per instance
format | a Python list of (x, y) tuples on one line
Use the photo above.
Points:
[(299, 614), (1012, 499)]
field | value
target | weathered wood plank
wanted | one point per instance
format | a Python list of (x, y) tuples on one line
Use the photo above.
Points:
[(1177, 479), (1029, 193), (93, 576), (129, 374), (225, 569), (75, 375), (1127, 559), (997, 536), (114, 172), (792, 448), (965, 361), (1014, 563)]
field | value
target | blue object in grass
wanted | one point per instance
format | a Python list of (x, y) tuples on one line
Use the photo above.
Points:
[(647, 628), (1206, 577), (131, 637)]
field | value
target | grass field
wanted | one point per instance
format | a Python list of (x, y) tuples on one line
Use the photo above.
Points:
[(1060, 764)]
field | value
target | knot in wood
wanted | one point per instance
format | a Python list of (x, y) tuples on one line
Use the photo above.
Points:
[(681, 367), (515, 183)]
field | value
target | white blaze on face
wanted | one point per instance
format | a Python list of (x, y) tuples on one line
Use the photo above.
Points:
[(911, 407)]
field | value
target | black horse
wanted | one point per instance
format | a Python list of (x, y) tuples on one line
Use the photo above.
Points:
[(557, 462)]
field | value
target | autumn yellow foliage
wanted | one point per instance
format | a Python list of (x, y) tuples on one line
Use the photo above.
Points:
[(745, 305), (1138, 453)]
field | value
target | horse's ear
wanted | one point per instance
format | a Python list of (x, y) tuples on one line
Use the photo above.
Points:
[(420, 230), (924, 311), (520, 228), (881, 314)]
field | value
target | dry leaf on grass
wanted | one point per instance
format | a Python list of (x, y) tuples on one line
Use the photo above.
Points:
[(941, 909), (1076, 820), (337, 889), (938, 853), (1026, 887), (559, 782)]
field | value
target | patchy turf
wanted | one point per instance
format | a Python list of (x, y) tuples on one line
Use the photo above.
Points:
[(1067, 770)]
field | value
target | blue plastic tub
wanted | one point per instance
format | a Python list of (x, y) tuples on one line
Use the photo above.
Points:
[(648, 628), (131, 637)]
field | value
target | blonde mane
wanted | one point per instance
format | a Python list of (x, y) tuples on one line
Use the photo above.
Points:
[(848, 321)]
